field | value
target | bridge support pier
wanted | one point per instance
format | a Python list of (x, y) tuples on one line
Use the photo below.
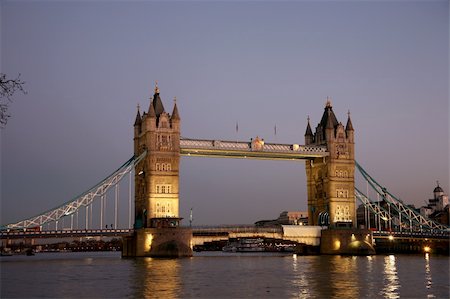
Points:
[(158, 242), (346, 241)]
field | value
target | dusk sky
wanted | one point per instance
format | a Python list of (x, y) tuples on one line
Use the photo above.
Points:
[(88, 64)]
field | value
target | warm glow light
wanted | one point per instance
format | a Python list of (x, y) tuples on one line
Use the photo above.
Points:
[(391, 237), (427, 249), (353, 237), (337, 245), (148, 241)]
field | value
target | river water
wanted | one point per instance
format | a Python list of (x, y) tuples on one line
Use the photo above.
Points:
[(224, 275)]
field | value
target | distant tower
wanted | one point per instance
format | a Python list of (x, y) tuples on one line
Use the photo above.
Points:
[(156, 177), (330, 180)]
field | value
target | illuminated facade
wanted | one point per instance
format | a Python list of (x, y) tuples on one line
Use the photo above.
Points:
[(157, 176), (330, 180)]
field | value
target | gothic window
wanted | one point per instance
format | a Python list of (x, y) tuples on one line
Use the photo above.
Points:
[(342, 214), (341, 193), (163, 189), (164, 141), (341, 151)]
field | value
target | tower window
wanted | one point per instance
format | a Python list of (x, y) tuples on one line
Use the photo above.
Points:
[(163, 189)]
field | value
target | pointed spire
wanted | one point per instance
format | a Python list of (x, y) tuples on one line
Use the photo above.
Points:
[(175, 114), (349, 126), (157, 103), (151, 109), (328, 116), (138, 120), (330, 124), (308, 129)]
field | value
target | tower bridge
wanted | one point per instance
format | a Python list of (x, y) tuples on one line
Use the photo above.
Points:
[(154, 227)]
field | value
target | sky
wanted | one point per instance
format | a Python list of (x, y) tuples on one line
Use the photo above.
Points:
[(88, 64)]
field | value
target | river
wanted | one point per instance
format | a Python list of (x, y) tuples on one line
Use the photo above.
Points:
[(224, 275)]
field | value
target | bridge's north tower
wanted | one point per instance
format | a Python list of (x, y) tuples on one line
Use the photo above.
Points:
[(330, 180), (157, 176)]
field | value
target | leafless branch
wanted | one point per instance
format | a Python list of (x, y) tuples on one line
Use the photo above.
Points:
[(7, 89)]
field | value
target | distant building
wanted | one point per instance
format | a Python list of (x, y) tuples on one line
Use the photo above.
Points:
[(286, 218), (437, 208), (293, 218)]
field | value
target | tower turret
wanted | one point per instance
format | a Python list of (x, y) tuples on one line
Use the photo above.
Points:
[(309, 137), (349, 131), (175, 118), (137, 122)]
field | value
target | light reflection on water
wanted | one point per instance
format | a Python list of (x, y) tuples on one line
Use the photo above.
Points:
[(428, 271), (156, 276), (220, 275), (391, 279)]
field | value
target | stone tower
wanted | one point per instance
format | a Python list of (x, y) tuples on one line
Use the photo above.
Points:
[(156, 177), (330, 180)]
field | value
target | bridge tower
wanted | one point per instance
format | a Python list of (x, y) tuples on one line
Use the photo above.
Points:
[(157, 231), (330, 180), (156, 177)]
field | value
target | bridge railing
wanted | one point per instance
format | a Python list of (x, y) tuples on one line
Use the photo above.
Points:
[(247, 146)]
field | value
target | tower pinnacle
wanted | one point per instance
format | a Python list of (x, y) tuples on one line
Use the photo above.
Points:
[(349, 126), (328, 104)]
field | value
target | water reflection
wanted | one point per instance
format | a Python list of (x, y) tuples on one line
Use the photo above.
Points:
[(428, 271), (157, 278), (369, 273), (300, 281), (391, 283), (344, 277), (325, 277)]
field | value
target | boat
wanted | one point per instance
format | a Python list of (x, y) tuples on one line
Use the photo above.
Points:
[(245, 245)]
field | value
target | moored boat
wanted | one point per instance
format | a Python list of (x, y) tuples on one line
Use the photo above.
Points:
[(245, 245)]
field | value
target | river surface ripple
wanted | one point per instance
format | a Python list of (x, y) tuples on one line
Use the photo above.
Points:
[(224, 275)]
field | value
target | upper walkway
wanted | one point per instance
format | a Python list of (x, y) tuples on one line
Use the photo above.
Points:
[(255, 149)]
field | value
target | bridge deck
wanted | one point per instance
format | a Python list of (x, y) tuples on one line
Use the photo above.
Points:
[(20, 234), (243, 150)]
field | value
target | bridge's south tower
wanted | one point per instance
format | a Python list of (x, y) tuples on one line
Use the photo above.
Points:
[(156, 181), (331, 199)]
